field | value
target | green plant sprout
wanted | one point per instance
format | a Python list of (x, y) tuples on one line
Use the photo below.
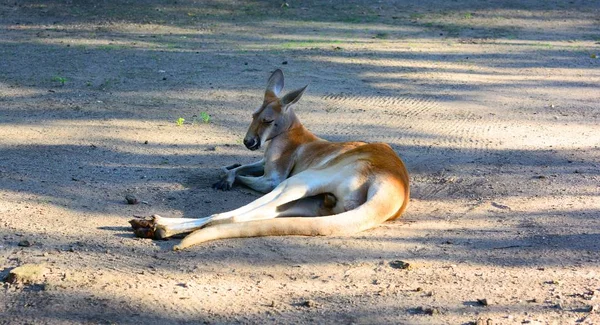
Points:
[(205, 117), (179, 121), (60, 79)]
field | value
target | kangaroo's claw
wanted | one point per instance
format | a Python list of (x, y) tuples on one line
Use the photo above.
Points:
[(223, 185)]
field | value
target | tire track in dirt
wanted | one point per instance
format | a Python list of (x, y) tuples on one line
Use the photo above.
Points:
[(466, 136), (378, 117), (420, 122), (395, 106)]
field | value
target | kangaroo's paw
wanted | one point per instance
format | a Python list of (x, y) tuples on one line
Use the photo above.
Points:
[(225, 184), (144, 222), (148, 227)]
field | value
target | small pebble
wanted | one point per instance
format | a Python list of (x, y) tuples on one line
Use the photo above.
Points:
[(25, 243), (398, 264), (428, 310), (500, 206), (483, 302), (308, 303), (131, 199)]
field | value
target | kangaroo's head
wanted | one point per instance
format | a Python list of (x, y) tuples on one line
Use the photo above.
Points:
[(275, 115)]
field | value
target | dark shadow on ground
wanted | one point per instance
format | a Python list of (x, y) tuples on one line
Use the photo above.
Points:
[(153, 75)]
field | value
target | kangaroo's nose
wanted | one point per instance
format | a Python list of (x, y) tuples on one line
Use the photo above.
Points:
[(251, 143)]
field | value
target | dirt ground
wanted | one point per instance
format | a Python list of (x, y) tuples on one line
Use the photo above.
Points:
[(493, 105)]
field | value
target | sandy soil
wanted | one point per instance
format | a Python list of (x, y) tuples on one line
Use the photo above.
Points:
[(493, 105)]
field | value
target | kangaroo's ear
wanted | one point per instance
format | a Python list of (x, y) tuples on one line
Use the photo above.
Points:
[(275, 84), (292, 97)]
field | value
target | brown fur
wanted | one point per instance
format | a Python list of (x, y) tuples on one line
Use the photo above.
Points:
[(320, 187)]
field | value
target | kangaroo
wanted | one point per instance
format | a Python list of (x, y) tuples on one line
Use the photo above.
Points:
[(313, 187)]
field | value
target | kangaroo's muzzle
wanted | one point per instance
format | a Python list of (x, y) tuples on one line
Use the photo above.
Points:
[(252, 143)]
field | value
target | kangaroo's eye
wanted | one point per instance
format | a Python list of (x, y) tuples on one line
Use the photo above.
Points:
[(267, 121)]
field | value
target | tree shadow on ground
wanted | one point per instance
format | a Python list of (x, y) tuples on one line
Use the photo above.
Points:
[(166, 69)]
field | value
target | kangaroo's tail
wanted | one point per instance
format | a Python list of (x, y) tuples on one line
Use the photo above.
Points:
[(385, 201)]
